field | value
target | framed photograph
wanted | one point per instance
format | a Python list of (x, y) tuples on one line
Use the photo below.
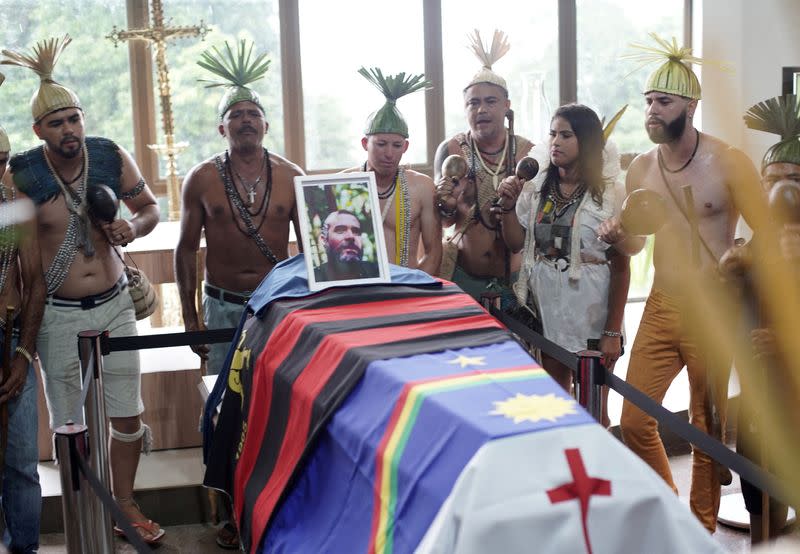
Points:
[(341, 229)]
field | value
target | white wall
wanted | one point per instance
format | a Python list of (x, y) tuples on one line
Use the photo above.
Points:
[(759, 38)]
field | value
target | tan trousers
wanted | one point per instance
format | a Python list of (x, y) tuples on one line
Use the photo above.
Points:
[(663, 346)]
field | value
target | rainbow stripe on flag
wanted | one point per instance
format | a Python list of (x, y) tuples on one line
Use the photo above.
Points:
[(391, 454)]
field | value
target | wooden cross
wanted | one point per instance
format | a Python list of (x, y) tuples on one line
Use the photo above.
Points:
[(158, 34)]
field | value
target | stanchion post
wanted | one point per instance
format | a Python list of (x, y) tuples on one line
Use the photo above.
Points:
[(91, 358), (589, 382), (77, 498)]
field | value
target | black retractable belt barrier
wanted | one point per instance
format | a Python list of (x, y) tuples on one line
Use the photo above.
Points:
[(165, 340), (122, 520), (764, 480)]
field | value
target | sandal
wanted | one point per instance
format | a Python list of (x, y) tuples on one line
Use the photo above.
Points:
[(153, 533), (228, 537)]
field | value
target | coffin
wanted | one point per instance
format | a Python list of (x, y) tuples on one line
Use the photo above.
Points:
[(402, 418)]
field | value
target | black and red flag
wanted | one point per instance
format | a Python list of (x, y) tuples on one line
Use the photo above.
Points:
[(297, 361)]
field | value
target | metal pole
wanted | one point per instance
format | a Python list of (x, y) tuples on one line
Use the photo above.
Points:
[(589, 382), (77, 498), (95, 412)]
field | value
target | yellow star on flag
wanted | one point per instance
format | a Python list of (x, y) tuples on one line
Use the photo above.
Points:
[(464, 361), (535, 407)]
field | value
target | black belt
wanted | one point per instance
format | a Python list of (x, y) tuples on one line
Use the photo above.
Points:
[(93, 300), (225, 296)]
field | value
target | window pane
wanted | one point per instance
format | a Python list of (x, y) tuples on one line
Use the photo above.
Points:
[(88, 66), (530, 68), (194, 106), (335, 42), (606, 28)]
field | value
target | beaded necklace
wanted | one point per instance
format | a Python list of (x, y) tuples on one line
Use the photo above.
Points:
[(495, 175), (237, 205), (78, 228), (402, 220), (251, 188), (8, 235)]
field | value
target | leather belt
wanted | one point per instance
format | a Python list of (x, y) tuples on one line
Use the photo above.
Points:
[(91, 301), (225, 296)]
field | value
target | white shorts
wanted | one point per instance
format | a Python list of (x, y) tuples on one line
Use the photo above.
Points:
[(57, 345)]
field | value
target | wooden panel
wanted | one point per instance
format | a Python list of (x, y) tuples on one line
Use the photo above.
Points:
[(294, 135), (172, 409), (143, 102), (434, 71), (173, 406), (567, 52)]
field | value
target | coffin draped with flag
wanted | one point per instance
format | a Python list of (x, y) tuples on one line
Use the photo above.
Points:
[(402, 417)]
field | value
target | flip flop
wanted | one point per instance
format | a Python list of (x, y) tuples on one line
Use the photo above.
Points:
[(228, 537), (154, 533)]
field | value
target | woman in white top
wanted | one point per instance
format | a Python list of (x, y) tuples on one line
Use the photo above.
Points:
[(577, 283)]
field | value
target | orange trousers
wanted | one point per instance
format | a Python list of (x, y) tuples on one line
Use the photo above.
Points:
[(664, 345)]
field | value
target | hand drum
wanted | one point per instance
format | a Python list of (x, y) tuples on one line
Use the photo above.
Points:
[(102, 203), (643, 212)]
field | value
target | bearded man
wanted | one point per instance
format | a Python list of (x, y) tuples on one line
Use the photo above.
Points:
[(719, 179), (85, 277)]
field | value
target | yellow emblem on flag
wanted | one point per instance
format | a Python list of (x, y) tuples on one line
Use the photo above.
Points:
[(535, 407), (239, 363)]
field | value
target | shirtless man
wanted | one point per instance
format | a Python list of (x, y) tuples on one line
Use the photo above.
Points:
[(19, 263), (721, 179), (399, 189), (84, 275), (244, 200), (483, 263)]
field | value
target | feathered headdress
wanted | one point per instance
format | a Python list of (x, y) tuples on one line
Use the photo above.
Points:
[(780, 116), (50, 96), (236, 72), (488, 58), (5, 145), (674, 76), (388, 118)]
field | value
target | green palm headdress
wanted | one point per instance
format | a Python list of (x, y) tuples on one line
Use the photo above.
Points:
[(488, 58), (236, 71), (5, 145), (673, 76), (50, 96), (780, 116), (388, 118)]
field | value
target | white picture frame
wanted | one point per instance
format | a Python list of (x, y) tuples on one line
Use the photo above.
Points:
[(351, 201)]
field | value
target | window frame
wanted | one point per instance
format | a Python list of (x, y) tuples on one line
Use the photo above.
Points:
[(144, 102)]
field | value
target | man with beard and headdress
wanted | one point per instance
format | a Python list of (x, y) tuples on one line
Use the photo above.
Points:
[(475, 257), (406, 197), (685, 163), (242, 198), (85, 277), (341, 238)]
